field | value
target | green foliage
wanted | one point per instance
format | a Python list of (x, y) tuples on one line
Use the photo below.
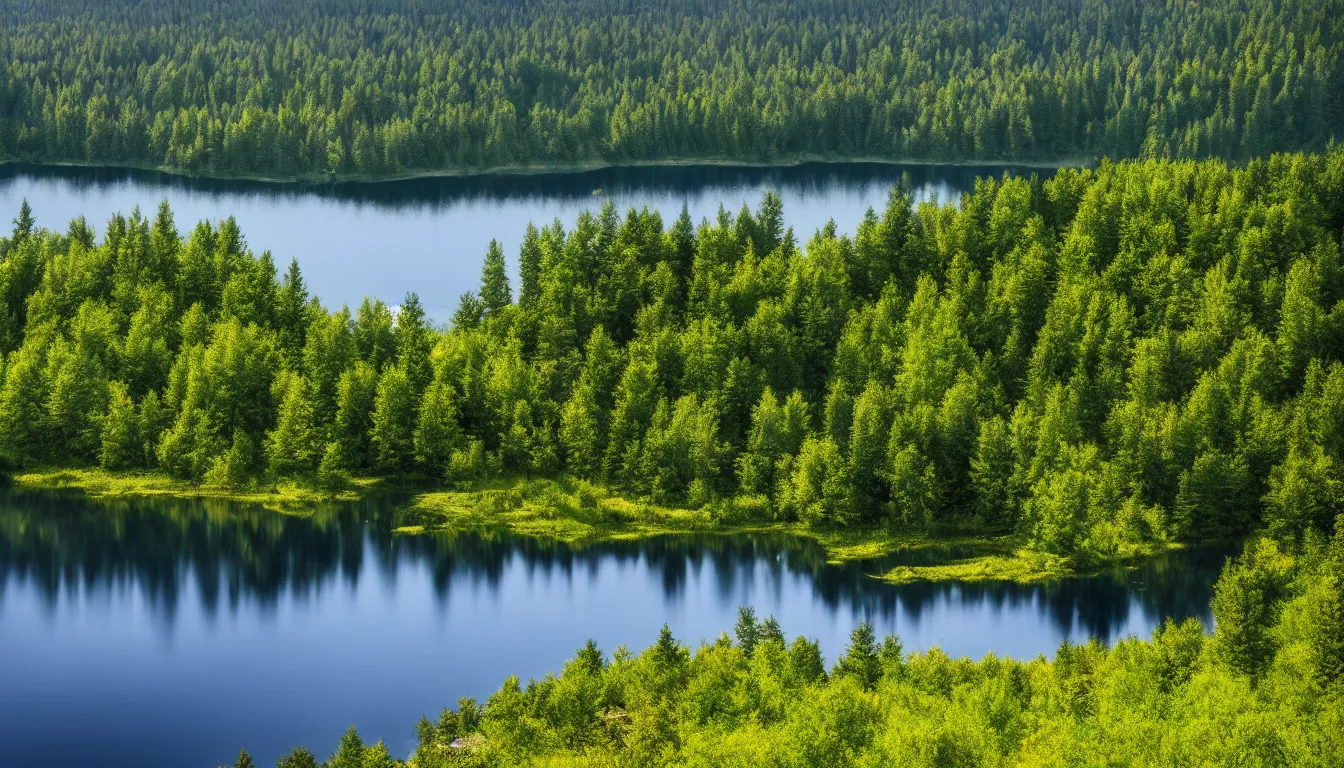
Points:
[(299, 757), (393, 421), (121, 439), (437, 434), (1246, 604), (1101, 362), (332, 476), (394, 88), (860, 660), (761, 701), (291, 448)]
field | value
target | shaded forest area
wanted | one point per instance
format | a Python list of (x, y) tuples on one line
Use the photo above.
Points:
[(1142, 352), (345, 87)]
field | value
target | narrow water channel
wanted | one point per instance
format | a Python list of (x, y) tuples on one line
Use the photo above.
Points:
[(430, 235)]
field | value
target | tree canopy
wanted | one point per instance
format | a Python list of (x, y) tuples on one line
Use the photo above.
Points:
[(1141, 352), (393, 87), (765, 700)]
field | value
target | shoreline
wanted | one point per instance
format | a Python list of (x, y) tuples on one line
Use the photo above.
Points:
[(543, 169), (579, 513)]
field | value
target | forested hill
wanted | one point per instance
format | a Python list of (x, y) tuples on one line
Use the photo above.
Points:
[(1142, 352), (387, 87)]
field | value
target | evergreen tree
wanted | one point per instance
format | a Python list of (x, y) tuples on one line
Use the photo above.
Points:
[(1246, 603), (23, 224), (392, 431), (122, 444), (414, 343), (495, 291), (529, 267), (747, 630), (437, 433), (292, 448), (299, 757), (861, 660)]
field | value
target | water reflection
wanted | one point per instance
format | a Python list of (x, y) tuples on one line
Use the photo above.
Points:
[(442, 192), (235, 553), (227, 625)]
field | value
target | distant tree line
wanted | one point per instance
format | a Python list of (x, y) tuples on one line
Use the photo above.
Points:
[(1269, 683), (1139, 352), (319, 87)]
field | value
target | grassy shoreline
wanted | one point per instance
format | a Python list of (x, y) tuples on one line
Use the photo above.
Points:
[(576, 512), (99, 484), (536, 169)]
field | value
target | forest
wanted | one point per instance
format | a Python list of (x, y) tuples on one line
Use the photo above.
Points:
[(1264, 690), (1147, 351), (383, 88)]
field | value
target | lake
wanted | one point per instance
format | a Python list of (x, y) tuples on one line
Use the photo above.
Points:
[(430, 235), (171, 633)]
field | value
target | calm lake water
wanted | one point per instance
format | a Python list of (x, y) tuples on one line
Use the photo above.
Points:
[(430, 235), (171, 633)]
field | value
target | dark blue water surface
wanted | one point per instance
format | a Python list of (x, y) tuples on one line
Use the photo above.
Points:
[(430, 235), (172, 633)]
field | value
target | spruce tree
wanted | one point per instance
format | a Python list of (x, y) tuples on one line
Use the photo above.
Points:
[(495, 292), (861, 660), (392, 431), (291, 448), (121, 438)]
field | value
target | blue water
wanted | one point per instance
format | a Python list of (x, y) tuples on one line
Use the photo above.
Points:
[(172, 633), (430, 235)]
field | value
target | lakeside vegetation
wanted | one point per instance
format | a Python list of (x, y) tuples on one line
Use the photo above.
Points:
[(580, 513), (1104, 364), (1266, 689), (353, 89), (100, 483)]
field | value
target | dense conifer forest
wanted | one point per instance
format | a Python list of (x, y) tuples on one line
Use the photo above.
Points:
[(1142, 352), (349, 87)]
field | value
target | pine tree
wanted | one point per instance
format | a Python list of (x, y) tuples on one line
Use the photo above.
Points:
[(529, 267), (414, 343), (291, 312), (122, 444), (392, 431), (992, 474), (1246, 603), (23, 225), (21, 407), (495, 291), (350, 753), (437, 433), (579, 432), (861, 660), (291, 448), (299, 757), (747, 630), (355, 400)]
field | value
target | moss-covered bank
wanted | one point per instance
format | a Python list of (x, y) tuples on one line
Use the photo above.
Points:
[(576, 511), (285, 497)]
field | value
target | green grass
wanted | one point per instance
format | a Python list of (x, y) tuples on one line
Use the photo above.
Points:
[(579, 512), (99, 483)]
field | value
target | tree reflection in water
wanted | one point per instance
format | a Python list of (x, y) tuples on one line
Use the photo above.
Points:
[(238, 553)]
